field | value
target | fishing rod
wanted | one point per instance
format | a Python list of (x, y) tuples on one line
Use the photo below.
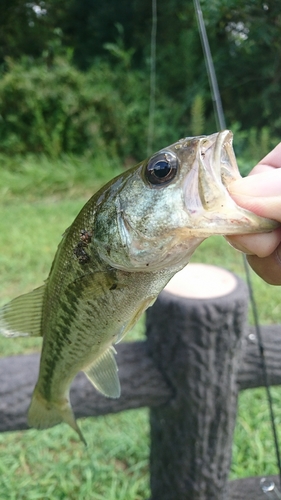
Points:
[(150, 132), (218, 108)]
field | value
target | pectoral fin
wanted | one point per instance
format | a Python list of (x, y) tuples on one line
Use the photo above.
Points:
[(143, 306), (22, 316), (103, 374)]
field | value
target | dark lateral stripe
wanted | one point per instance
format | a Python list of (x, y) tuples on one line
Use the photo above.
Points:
[(57, 339)]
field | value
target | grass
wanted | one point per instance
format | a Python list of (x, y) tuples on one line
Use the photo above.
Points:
[(34, 176), (52, 464)]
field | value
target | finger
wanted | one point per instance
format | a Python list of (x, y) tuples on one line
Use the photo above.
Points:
[(260, 169), (261, 245), (273, 158), (269, 207), (269, 162), (264, 184), (268, 268), (259, 193)]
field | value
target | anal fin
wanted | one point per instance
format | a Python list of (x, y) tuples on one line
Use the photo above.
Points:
[(102, 373), (22, 316)]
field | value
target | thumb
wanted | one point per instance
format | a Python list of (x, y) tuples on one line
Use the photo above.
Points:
[(260, 193)]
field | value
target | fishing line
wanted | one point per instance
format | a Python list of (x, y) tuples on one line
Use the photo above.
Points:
[(221, 122), (263, 361), (151, 119), (218, 109)]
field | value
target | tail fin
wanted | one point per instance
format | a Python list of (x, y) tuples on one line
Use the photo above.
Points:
[(43, 414)]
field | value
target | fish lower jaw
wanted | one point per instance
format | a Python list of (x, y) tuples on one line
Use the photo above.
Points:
[(244, 224)]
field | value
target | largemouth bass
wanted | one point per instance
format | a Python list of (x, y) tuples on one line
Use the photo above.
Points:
[(124, 246)]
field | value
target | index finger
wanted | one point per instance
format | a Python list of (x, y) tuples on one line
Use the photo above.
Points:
[(272, 159)]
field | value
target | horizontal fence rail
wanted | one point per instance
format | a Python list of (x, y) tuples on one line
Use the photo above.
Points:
[(141, 382), (142, 386), (249, 489)]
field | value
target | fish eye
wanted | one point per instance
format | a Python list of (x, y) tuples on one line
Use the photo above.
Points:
[(161, 169)]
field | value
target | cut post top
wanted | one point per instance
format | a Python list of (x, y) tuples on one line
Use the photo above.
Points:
[(202, 281)]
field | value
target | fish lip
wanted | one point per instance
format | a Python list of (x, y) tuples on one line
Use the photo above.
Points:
[(214, 168), (224, 158), (222, 162)]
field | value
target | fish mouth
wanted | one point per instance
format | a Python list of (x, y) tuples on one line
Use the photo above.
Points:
[(217, 168), (211, 207)]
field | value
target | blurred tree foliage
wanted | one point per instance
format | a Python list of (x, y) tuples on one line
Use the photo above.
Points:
[(245, 42), (64, 110)]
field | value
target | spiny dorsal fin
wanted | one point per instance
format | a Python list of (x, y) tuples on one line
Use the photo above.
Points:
[(22, 316), (103, 374)]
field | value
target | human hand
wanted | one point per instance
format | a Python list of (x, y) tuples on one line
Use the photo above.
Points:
[(260, 192)]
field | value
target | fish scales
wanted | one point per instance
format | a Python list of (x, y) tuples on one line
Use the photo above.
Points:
[(121, 250), (70, 342)]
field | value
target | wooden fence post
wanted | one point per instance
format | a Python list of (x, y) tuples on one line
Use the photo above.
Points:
[(195, 337)]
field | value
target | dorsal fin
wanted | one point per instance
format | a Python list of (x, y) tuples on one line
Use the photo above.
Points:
[(102, 373), (22, 316)]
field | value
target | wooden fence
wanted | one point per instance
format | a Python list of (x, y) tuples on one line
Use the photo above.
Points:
[(198, 354)]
